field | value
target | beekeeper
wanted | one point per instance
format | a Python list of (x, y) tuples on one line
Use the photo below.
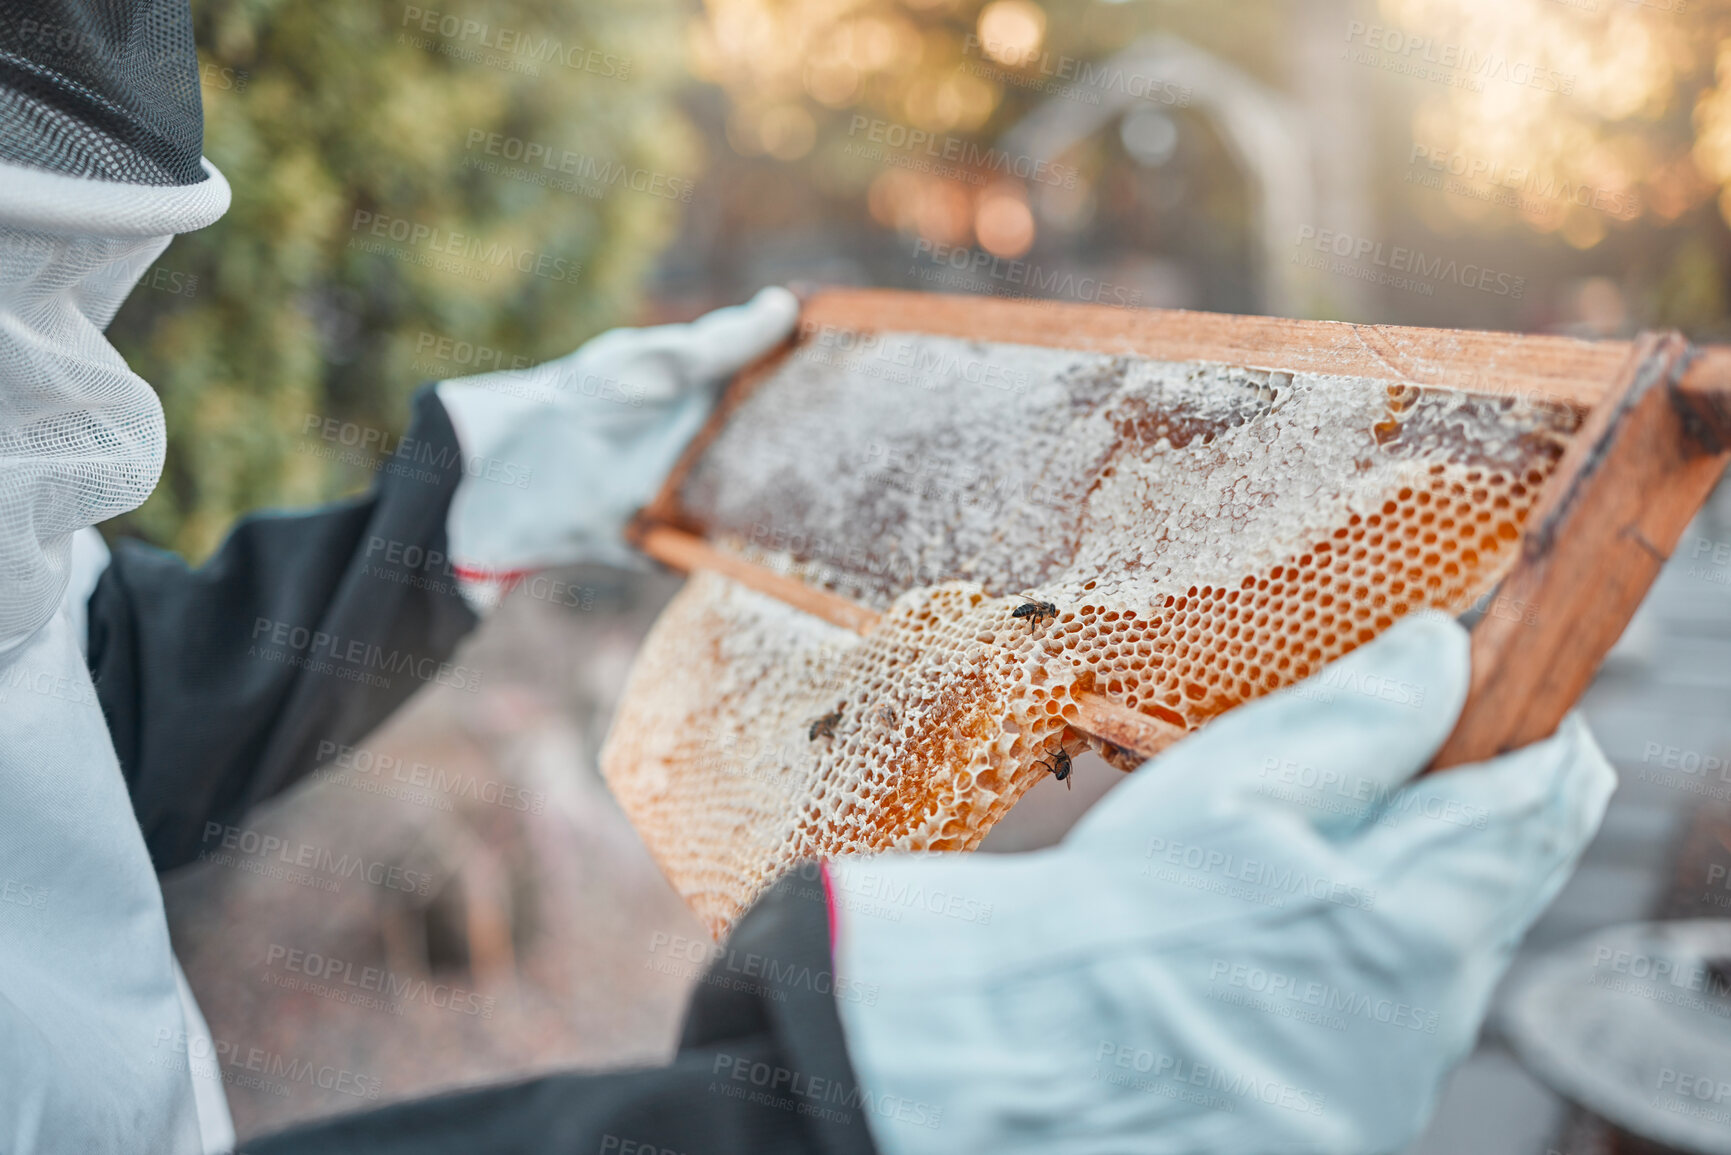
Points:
[(1221, 957)]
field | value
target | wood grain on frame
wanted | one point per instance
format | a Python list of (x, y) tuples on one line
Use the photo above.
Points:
[(1562, 369), (1608, 519)]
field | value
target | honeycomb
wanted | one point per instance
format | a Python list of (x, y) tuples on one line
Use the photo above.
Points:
[(1206, 533)]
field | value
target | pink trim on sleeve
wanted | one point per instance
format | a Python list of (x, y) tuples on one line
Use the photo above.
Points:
[(828, 902), (507, 579)]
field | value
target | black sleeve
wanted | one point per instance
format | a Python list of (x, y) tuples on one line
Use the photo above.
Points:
[(762, 1069), (226, 684)]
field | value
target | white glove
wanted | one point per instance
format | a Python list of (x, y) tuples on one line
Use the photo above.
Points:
[(1267, 940), (558, 458)]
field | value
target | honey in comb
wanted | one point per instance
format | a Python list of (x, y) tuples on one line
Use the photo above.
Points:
[(1208, 534)]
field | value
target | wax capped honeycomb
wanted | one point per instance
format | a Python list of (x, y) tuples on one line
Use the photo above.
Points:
[(1205, 534)]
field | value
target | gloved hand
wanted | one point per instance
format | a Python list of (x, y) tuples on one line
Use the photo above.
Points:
[(1268, 939), (558, 458)]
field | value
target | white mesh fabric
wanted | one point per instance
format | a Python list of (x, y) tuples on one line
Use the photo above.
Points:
[(81, 435)]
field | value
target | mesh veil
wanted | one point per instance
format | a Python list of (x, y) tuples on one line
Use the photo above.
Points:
[(81, 436), (106, 89), (101, 130)]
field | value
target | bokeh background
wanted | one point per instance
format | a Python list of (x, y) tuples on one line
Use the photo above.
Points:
[(1543, 165)]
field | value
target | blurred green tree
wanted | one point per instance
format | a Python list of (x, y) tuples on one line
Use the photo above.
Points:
[(413, 183)]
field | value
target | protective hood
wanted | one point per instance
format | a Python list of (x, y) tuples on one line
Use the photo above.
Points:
[(81, 435), (101, 130)]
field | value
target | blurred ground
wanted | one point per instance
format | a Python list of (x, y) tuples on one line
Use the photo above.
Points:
[(546, 938), (539, 899)]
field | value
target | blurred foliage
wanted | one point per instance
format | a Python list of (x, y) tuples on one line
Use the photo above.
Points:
[(278, 317)]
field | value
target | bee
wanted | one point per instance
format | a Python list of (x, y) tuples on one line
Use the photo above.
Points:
[(1036, 612), (1058, 763), (823, 727)]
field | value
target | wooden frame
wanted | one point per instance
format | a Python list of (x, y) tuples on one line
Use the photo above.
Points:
[(1655, 438)]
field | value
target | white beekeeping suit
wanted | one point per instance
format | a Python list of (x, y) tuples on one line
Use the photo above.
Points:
[(100, 132)]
